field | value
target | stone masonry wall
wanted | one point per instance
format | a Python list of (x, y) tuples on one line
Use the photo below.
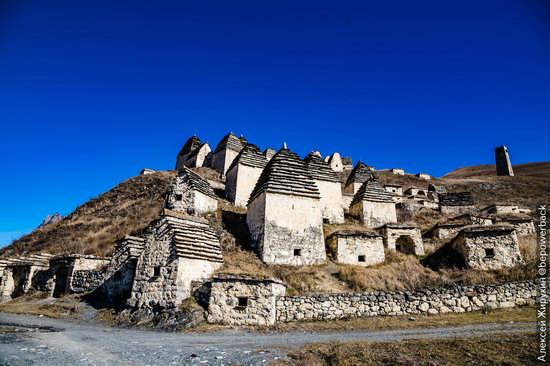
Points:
[(84, 281), (429, 301)]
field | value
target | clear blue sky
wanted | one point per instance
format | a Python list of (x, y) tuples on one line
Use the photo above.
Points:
[(91, 91)]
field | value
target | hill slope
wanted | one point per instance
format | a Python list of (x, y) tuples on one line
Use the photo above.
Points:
[(94, 226), (539, 170)]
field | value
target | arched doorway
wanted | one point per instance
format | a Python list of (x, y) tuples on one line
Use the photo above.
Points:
[(405, 244)]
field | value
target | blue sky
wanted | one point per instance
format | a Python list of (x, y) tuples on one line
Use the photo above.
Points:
[(93, 91)]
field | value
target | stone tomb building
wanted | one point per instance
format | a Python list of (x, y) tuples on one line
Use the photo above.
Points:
[(226, 151), (488, 247), (242, 300), (361, 248), (403, 238), (18, 274), (191, 194), (284, 213), (329, 186), (242, 175), (193, 154), (456, 203), (335, 162), (373, 205), (119, 274), (75, 273), (359, 175), (178, 249)]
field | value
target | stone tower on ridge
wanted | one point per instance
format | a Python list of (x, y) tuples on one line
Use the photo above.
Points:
[(502, 159)]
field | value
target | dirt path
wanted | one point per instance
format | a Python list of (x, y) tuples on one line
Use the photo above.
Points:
[(27, 340)]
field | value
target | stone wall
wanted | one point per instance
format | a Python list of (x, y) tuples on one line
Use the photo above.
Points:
[(240, 182), (429, 301), (403, 238), (287, 229), (86, 280), (374, 214), (362, 249), (242, 301), (331, 201)]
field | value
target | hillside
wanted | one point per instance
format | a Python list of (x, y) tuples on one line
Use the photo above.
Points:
[(539, 170), (94, 226)]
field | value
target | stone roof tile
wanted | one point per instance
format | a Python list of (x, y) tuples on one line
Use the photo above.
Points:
[(318, 169), (196, 182), (372, 191)]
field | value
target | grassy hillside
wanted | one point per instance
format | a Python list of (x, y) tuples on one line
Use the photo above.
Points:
[(94, 227), (540, 170)]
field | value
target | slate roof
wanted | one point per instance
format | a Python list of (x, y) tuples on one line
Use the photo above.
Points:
[(191, 239), (286, 174), (359, 174), (320, 170), (372, 191), (251, 156), (231, 142), (456, 199), (190, 145), (196, 182), (196, 151)]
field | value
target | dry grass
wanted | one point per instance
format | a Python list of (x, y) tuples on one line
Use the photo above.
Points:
[(499, 349), (399, 272), (94, 226), (517, 314), (38, 303)]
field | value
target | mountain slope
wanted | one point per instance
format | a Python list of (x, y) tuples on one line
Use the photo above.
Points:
[(94, 226), (539, 170)]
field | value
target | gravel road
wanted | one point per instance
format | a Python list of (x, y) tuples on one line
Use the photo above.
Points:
[(29, 340)]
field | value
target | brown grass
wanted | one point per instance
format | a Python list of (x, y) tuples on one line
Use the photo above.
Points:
[(94, 226), (498, 349), (38, 303), (517, 314)]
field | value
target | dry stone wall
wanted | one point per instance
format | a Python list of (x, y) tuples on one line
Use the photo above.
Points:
[(443, 300)]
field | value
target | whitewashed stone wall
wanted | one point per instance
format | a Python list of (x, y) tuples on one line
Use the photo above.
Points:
[(223, 159), (258, 297), (240, 182), (458, 299), (449, 210), (282, 225), (404, 239), (183, 199), (358, 249), (445, 231), (374, 214), (331, 201), (352, 188), (473, 247)]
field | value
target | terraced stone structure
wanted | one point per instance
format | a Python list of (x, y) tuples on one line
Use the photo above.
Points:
[(191, 194), (456, 203), (243, 300), (242, 175), (119, 275), (373, 205), (403, 238), (19, 273), (226, 151), (361, 248), (329, 187), (284, 213), (178, 250), (359, 175), (488, 247)]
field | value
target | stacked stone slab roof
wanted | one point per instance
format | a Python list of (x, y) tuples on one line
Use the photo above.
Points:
[(191, 145), (286, 174), (395, 225), (133, 245), (196, 150), (251, 156), (40, 259), (196, 182), (231, 142), (456, 199), (246, 278), (318, 169), (192, 237), (372, 191), (362, 233), (359, 174)]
